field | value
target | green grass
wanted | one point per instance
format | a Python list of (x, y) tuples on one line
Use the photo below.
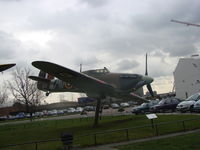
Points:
[(183, 142), (43, 130)]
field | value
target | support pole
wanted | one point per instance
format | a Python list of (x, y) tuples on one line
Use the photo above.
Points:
[(96, 119)]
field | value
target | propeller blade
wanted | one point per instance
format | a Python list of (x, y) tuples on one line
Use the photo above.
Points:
[(150, 90), (80, 67), (140, 84), (146, 72)]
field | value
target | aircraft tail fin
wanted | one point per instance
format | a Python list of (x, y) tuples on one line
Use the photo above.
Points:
[(45, 75), (43, 80)]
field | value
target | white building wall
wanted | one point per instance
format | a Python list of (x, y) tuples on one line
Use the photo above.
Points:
[(187, 77)]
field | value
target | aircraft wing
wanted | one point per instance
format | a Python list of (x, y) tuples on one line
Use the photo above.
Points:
[(6, 66), (82, 81)]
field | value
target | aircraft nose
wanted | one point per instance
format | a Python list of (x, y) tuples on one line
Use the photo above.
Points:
[(147, 79)]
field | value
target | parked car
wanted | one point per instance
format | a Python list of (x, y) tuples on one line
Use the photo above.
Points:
[(105, 106), (168, 104), (145, 107), (39, 114), (188, 104), (114, 105), (124, 104), (60, 112), (20, 115), (196, 107), (52, 112), (3, 118), (71, 110), (89, 108), (79, 109)]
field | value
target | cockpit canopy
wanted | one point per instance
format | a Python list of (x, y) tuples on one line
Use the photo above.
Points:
[(97, 71)]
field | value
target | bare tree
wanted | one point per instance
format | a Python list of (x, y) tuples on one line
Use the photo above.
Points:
[(3, 94), (24, 90)]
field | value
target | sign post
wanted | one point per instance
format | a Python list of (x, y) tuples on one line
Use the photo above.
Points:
[(151, 117)]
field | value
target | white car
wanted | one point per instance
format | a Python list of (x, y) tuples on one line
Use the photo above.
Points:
[(188, 104), (79, 109), (114, 105), (71, 110), (124, 105), (60, 112)]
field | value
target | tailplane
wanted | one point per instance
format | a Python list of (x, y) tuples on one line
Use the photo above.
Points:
[(43, 80)]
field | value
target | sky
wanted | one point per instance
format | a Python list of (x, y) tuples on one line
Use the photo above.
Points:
[(100, 33)]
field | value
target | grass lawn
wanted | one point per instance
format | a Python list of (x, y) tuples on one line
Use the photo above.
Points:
[(183, 142), (43, 130)]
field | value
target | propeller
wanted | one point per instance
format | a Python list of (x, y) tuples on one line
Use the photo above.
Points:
[(150, 90), (148, 83)]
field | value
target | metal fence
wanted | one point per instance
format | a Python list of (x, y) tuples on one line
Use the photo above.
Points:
[(112, 136)]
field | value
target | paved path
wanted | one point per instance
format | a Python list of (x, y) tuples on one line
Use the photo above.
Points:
[(110, 146)]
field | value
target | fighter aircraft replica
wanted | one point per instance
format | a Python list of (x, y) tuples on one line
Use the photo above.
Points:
[(98, 84), (6, 66)]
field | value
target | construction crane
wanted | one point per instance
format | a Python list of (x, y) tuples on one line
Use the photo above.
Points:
[(186, 23)]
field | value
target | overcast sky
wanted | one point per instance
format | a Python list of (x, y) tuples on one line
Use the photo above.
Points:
[(98, 33)]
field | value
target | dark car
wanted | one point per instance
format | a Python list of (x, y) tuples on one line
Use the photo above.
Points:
[(168, 104), (145, 107)]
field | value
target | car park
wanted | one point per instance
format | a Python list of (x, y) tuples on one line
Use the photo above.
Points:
[(167, 104), (188, 104), (145, 107)]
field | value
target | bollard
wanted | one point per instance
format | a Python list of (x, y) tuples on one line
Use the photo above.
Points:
[(67, 140)]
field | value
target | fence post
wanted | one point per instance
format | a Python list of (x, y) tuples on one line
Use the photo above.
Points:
[(183, 125), (95, 139), (156, 128), (127, 136), (35, 145)]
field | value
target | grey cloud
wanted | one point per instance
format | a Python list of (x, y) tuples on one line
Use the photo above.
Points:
[(8, 46), (126, 64), (95, 3), (87, 62)]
